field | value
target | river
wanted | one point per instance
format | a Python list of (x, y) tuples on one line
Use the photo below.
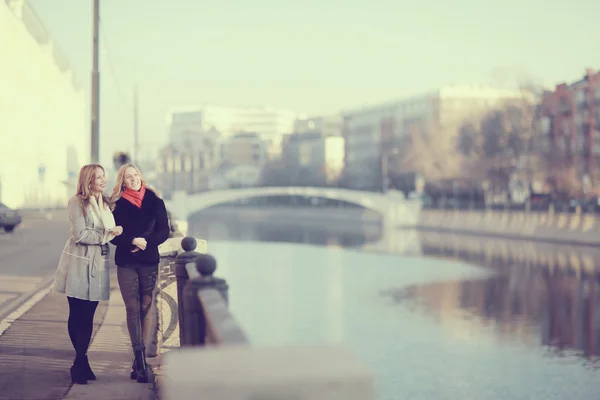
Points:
[(458, 318)]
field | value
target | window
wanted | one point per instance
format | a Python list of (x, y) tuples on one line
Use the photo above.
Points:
[(200, 161), (544, 125), (580, 96), (169, 162), (566, 127)]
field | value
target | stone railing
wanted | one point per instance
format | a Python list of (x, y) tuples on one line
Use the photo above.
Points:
[(550, 226), (211, 355)]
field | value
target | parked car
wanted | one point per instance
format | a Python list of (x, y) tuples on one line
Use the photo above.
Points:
[(9, 218)]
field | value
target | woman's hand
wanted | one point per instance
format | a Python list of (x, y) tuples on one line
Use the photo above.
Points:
[(117, 230), (140, 243)]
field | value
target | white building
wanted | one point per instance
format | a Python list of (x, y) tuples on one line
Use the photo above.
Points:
[(269, 123), (330, 125), (371, 131), (314, 156), (207, 164), (43, 125), (241, 149)]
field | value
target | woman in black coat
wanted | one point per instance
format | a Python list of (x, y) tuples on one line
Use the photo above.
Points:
[(143, 216)]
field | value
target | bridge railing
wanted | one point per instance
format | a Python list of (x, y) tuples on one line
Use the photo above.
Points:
[(215, 358)]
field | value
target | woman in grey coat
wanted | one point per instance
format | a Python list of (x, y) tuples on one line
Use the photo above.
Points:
[(82, 273)]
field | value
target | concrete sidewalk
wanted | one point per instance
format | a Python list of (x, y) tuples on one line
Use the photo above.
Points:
[(36, 353), (111, 356)]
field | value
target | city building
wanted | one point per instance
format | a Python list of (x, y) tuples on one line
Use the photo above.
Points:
[(187, 123), (232, 176), (212, 145), (330, 125), (373, 133), (244, 148), (313, 158), (44, 128), (183, 169), (571, 121), (210, 163), (185, 127)]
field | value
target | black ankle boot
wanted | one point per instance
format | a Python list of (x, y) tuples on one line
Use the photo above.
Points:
[(87, 369), (141, 369), (78, 372), (133, 373)]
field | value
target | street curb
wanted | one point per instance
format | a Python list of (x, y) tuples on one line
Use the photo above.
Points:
[(156, 378)]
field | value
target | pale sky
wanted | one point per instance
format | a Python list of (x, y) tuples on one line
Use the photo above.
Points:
[(311, 56)]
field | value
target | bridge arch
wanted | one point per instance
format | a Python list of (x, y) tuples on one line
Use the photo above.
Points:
[(184, 205)]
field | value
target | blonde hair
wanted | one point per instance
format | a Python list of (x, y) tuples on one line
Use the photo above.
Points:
[(87, 176), (120, 185)]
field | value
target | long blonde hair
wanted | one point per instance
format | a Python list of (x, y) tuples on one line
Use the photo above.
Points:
[(120, 185), (87, 176)]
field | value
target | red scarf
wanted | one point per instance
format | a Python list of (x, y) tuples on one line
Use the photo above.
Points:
[(135, 197)]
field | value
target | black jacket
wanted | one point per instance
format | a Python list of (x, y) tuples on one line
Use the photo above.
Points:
[(150, 222)]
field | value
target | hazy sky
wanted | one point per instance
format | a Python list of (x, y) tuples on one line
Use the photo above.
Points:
[(311, 56)]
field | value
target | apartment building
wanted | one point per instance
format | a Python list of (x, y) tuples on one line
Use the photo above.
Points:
[(43, 124), (245, 148), (571, 121), (314, 152), (314, 156), (270, 123), (370, 133), (205, 141), (330, 125)]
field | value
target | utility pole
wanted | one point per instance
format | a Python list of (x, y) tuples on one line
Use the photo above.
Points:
[(136, 139), (95, 111)]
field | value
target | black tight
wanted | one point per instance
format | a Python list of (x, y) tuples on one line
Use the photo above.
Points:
[(81, 324), (137, 285)]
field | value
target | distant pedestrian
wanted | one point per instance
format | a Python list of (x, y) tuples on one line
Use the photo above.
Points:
[(82, 272), (143, 215)]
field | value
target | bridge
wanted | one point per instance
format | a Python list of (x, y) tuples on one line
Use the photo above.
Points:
[(393, 207)]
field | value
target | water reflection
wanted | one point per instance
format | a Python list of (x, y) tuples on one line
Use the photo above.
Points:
[(547, 303), (491, 330), (505, 253), (244, 225)]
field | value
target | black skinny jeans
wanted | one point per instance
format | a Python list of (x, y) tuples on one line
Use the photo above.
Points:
[(137, 283), (81, 324)]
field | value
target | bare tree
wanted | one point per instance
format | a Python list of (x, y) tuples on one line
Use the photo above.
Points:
[(501, 144), (432, 152)]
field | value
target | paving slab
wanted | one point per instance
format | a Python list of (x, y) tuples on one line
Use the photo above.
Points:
[(110, 356), (36, 353)]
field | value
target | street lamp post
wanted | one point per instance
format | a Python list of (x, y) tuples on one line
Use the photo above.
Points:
[(385, 168), (95, 111)]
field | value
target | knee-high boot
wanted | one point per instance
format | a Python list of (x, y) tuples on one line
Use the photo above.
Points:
[(141, 368)]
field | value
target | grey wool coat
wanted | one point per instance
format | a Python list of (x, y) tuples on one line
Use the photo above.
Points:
[(83, 267)]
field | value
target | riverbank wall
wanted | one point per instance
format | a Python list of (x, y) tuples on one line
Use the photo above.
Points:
[(575, 228)]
